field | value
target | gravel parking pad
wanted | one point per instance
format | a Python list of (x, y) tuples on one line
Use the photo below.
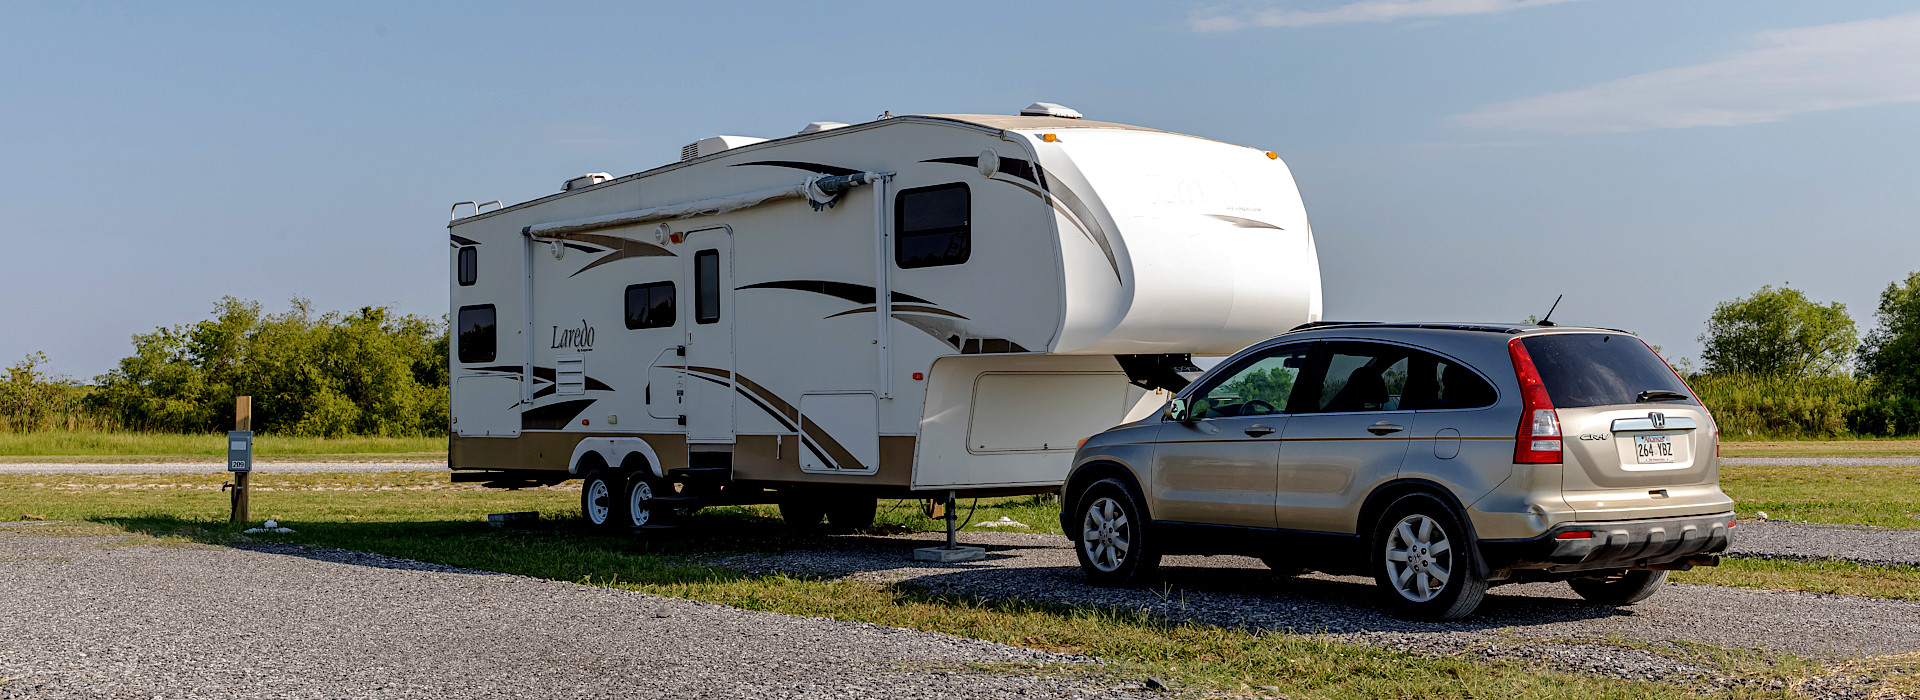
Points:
[(216, 467), (1238, 591), (1775, 539), (82, 617)]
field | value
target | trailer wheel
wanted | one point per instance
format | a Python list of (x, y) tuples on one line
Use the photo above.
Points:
[(641, 509), (602, 498), (801, 511), (852, 512)]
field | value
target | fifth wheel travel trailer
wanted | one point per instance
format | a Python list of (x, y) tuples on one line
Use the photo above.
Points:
[(910, 307)]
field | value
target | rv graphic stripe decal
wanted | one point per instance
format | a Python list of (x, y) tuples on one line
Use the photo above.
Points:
[(1244, 222), (553, 416), (623, 249), (856, 293), (1015, 167), (834, 454), (809, 167), (909, 308), (1090, 225)]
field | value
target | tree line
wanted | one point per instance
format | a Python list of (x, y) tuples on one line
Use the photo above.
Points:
[(369, 372), (1774, 364), (1777, 364)]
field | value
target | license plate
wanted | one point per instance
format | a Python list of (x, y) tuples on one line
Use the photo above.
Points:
[(1653, 449)]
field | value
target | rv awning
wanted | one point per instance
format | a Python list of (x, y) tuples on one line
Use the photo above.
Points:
[(821, 191)]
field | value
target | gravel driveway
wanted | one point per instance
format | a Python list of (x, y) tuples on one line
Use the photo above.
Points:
[(1777, 539), (1238, 591), (83, 618)]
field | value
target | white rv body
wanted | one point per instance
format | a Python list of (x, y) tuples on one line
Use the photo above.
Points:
[(1042, 248)]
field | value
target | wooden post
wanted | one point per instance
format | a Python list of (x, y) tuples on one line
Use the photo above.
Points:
[(242, 420)]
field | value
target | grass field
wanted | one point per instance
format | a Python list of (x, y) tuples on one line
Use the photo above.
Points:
[(1821, 448), (172, 447), (1850, 495), (423, 517)]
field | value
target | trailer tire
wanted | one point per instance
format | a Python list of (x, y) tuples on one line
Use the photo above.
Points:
[(602, 499), (852, 512), (801, 512), (640, 511)]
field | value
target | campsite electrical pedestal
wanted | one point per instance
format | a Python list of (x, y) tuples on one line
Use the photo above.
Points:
[(953, 552)]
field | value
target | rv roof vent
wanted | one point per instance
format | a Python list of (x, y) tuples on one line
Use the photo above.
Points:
[(1049, 109), (813, 127), (715, 144), (587, 180)]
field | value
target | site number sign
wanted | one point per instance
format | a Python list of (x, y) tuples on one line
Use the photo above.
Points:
[(240, 451)]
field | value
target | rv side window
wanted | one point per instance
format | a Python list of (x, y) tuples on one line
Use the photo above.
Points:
[(932, 226), (706, 286), (469, 266), (650, 305), (476, 333)]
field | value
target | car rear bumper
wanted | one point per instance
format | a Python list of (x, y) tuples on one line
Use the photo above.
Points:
[(1618, 544)]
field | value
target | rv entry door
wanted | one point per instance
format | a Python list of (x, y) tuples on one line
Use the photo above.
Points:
[(709, 382)]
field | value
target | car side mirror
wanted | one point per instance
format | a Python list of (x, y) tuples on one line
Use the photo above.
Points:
[(1177, 411)]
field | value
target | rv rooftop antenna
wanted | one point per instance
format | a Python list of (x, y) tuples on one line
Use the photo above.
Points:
[(1556, 305)]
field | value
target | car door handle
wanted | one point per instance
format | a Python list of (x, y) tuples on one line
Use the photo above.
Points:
[(1258, 430), (1383, 428)]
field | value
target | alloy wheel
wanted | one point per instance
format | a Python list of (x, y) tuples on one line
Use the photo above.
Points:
[(1104, 535), (1419, 558)]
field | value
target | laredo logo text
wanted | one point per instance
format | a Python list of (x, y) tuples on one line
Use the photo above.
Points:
[(579, 338)]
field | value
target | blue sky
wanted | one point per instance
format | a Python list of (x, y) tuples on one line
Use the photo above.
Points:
[(1460, 159)]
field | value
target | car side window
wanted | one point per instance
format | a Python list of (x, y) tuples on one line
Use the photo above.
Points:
[(1258, 388), (1451, 385), (1363, 377)]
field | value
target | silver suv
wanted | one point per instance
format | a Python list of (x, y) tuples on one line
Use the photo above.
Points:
[(1439, 458)]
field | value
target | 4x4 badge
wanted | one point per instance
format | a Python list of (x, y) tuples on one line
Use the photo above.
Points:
[(1659, 419)]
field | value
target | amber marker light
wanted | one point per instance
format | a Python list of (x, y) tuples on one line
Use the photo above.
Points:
[(1049, 138), (1273, 155)]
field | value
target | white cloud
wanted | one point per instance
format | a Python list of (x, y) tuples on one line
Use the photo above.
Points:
[(1366, 11), (1789, 72)]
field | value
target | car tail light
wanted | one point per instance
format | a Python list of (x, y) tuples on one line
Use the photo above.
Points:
[(1574, 535), (1538, 440)]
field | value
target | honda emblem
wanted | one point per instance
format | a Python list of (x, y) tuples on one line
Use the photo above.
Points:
[(1659, 420)]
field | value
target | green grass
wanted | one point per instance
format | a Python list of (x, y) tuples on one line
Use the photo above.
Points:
[(1828, 576), (421, 516), (1848, 495), (210, 447), (1820, 448)]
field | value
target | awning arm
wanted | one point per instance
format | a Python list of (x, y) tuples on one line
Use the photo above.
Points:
[(820, 190)]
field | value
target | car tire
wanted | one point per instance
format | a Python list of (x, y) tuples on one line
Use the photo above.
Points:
[(1113, 543), (639, 509), (1424, 560), (1619, 588), (602, 499), (852, 512), (802, 510), (1282, 566)]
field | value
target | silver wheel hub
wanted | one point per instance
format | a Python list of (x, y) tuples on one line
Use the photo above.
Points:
[(1419, 558), (1104, 537), (640, 506), (597, 493)]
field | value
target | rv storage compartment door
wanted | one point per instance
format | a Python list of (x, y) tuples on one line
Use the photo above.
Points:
[(1033, 412), (840, 433), (487, 406), (1014, 420), (667, 386)]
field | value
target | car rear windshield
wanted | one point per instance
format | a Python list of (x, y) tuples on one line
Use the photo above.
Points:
[(1602, 369)]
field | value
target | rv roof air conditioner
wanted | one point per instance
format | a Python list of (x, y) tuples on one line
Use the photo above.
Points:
[(1049, 109), (715, 144), (587, 180), (816, 127)]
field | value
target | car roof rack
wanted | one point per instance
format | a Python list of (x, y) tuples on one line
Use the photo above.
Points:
[(1510, 329)]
